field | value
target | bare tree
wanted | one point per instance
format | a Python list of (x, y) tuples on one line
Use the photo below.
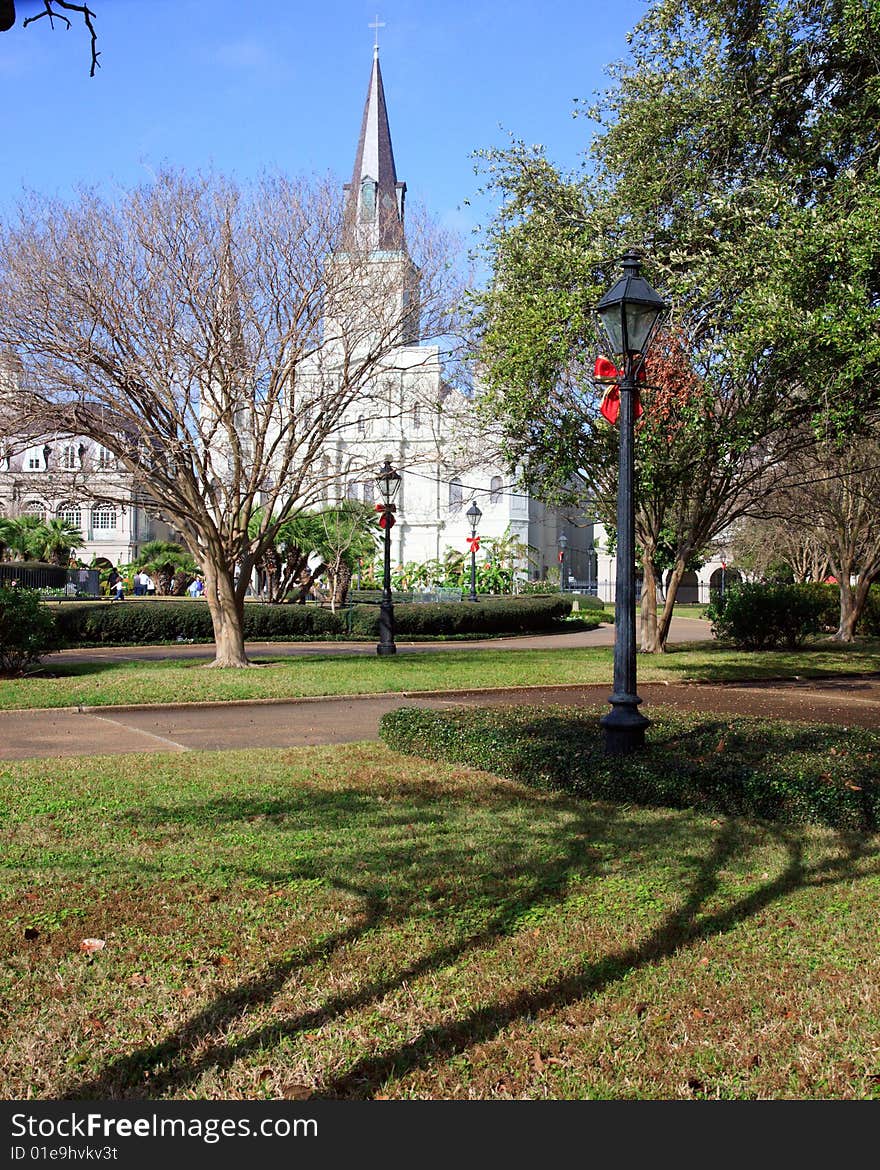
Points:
[(835, 499), (53, 10), (217, 341)]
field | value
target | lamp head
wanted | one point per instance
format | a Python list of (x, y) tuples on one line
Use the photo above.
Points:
[(631, 310)]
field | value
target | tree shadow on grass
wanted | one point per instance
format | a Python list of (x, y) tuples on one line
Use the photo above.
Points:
[(507, 894)]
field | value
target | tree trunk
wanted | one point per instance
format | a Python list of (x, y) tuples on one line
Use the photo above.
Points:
[(227, 616), (678, 571), (852, 602), (341, 585), (650, 643)]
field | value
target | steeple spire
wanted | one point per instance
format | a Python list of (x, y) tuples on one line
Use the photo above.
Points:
[(374, 203)]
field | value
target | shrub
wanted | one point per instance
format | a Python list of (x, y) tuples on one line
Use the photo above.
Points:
[(762, 617), (742, 766), (132, 623), (869, 623), (27, 630)]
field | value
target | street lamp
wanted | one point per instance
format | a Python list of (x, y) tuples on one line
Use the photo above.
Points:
[(592, 583), (563, 545), (388, 481), (473, 515), (630, 314)]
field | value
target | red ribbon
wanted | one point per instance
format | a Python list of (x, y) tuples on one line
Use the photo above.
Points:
[(474, 543), (386, 520), (610, 406)]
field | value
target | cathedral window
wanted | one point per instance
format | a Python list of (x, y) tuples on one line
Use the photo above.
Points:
[(369, 492), (103, 518), (351, 490), (34, 508), (105, 458), (68, 457), (417, 417), (361, 425), (71, 514), (496, 485)]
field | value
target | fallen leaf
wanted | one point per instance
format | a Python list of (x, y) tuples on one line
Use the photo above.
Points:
[(538, 1062), (91, 945), (95, 1024), (31, 932), (264, 1074), (295, 1092)]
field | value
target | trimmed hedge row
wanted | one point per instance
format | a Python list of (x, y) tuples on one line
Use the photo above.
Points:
[(130, 623), (741, 766)]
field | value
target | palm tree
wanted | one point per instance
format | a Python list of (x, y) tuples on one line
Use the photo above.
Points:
[(60, 538), (27, 536), (169, 564)]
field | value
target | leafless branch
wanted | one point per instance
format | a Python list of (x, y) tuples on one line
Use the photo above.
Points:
[(50, 9)]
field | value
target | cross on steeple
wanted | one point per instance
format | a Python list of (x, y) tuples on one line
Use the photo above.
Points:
[(376, 25)]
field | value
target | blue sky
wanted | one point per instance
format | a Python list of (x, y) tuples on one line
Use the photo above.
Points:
[(239, 86)]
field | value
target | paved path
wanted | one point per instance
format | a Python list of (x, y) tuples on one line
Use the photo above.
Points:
[(213, 726)]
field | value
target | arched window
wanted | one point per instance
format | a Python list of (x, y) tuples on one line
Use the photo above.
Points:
[(369, 492), (351, 490), (362, 426), (105, 458), (496, 485), (103, 518), (68, 457), (34, 508), (70, 513), (417, 417), (456, 495)]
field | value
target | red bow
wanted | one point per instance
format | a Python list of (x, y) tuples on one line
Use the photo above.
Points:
[(610, 406), (386, 520), (474, 543)]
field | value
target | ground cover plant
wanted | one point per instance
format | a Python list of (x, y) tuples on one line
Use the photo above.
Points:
[(64, 682), (785, 772), (350, 923)]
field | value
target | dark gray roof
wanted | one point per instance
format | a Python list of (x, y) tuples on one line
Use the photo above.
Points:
[(382, 223)]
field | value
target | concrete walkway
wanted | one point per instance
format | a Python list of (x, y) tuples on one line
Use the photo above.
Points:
[(278, 724)]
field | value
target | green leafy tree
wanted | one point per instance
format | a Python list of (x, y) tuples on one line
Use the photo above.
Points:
[(737, 147)]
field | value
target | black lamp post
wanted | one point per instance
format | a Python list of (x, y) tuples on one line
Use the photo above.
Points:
[(563, 545), (592, 583), (473, 515), (388, 481), (630, 313)]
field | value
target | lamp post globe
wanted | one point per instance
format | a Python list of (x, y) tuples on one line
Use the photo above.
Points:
[(388, 483), (474, 514), (563, 545), (630, 314)]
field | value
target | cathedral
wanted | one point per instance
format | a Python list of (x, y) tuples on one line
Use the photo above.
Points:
[(412, 415)]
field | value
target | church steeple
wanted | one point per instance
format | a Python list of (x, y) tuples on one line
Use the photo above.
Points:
[(375, 199)]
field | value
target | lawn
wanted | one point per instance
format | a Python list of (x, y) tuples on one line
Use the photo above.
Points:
[(347, 923), (64, 683)]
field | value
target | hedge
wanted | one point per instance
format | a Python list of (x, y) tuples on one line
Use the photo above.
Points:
[(128, 623), (742, 766)]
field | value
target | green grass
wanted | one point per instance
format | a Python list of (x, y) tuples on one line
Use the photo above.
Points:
[(351, 923), (62, 684)]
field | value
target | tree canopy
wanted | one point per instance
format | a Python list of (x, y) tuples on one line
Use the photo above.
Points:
[(737, 147)]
